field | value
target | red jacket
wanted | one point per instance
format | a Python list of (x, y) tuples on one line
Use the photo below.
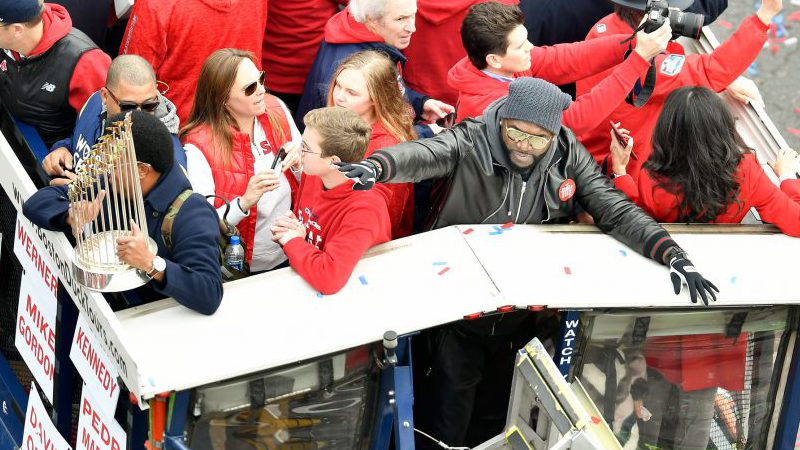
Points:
[(777, 206), (401, 203), (341, 225), (477, 90), (294, 31), (436, 46), (176, 37), (90, 72), (230, 180), (715, 71)]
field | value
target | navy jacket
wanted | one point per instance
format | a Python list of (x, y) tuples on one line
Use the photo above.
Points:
[(89, 127), (329, 56), (552, 22), (193, 276)]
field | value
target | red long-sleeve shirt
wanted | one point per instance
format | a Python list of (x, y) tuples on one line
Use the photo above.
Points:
[(176, 37), (341, 224), (780, 207), (477, 90), (715, 71), (401, 203)]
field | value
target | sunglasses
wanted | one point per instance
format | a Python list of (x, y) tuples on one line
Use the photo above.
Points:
[(126, 106), (536, 142), (250, 89)]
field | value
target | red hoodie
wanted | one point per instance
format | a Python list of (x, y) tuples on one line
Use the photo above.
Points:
[(401, 204), (294, 31), (477, 90), (176, 37), (341, 225), (716, 71), (780, 207), (436, 46), (342, 28), (90, 72)]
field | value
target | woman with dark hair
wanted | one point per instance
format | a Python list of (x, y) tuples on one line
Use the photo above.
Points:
[(231, 140), (701, 171)]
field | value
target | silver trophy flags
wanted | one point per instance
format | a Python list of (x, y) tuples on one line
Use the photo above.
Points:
[(104, 198)]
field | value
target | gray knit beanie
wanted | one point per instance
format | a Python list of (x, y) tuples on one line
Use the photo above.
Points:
[(535, 101)]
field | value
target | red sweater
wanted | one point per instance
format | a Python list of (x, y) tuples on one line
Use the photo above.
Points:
[(342, 224), (90, 72), (294, 31), (476, 91), (176, 37), (436, 46), (401, 204), (777, 206), (674, 70)]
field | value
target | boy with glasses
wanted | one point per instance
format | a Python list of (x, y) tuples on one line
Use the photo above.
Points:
[(332, 224), (515, 164), (130, 85)]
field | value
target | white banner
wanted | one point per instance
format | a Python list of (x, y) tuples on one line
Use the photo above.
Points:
[(35, 335), (40, 433), (34, 260), (95, 367), (97, 430)]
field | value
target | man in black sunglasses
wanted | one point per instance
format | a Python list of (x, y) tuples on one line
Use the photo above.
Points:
[(130, 85), (515, 164)]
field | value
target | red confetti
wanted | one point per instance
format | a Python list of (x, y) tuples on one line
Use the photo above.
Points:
[(507, 225), (468, 231), (794, 131), (444, 271), (595, 420), (725, 24), (567, 270), (797, 110), (774, 49), (794, 16)]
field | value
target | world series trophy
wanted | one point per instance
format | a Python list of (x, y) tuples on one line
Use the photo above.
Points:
[(105, 197)]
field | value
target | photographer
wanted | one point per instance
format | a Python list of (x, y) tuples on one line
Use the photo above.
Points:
[(673, 70)]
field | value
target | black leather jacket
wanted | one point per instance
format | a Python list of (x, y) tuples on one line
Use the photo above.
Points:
[(481, 187)]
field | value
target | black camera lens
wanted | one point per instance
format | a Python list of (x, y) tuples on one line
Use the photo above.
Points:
[(686, 24)]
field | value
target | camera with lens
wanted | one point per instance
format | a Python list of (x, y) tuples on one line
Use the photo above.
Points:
[(682, 23)]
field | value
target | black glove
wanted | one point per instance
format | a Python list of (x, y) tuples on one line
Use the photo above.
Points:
[(364, 173), (681, 271)]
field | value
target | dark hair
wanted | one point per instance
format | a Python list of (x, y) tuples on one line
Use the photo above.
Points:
[(696, 153), (486, 28), (151, 138), (630, 16)]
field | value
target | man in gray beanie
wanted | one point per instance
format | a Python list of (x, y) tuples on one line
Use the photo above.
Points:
[(518, 164)]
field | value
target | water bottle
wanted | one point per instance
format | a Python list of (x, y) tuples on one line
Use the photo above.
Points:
[(234, 254)]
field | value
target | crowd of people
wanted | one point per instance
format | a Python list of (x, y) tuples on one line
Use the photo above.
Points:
[(395, 117)]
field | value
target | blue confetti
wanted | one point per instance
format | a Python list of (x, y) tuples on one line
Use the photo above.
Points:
[(440, 263), (499, 230), (753, 69), (733, 280), (623, 253), (151, 381), (363, 280), (319, 294)]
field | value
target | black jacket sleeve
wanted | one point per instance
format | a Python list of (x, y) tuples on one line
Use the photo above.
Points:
[(425, 159), (709, 8), (613, 212)]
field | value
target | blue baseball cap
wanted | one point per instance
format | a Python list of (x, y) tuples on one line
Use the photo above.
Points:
[(18, 11)]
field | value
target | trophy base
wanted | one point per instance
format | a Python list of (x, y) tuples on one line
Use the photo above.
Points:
[(109, 277)]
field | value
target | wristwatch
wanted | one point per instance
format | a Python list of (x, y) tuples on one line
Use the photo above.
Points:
[(159, 265)]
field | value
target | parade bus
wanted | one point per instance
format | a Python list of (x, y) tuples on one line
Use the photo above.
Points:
[(281, 366)]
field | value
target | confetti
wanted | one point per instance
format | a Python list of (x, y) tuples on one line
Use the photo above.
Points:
[(507, 225), (567, 270), (439, 263), (444, 271), (794, 131), (623, 253), (797, 110), (733, 280), (595, 420), (795, 15), (363, 280), (319, 294), (753, 69), (725, 24), (468, 231), (500, 230)]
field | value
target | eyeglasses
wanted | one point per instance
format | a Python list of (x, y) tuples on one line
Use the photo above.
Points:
[(125, 106), (536, 142), (306, 149), (250, 89)]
